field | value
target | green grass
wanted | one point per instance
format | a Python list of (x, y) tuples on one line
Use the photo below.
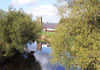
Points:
[(48, 34)]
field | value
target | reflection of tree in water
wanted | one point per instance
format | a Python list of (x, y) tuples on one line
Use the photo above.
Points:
[(19, 62)]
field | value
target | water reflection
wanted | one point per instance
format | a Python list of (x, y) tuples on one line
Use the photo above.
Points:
[(43, 56)]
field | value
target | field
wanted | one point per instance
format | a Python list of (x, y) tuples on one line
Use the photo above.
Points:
[(48, 34)]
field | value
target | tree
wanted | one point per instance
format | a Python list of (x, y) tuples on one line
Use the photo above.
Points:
[(76, 41), (16, 29)]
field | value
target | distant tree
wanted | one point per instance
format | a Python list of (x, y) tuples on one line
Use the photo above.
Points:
[(77, 37), (16, 29)]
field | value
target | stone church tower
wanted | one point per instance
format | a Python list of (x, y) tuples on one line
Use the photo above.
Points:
[(39, 20)]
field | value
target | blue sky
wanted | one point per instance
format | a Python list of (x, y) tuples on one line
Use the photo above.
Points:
[(44, 8)]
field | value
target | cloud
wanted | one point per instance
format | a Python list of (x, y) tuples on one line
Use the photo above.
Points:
[(21, 2), (46, 11)]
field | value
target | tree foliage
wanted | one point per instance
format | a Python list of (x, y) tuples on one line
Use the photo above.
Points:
[(16, 29), (77, 38)]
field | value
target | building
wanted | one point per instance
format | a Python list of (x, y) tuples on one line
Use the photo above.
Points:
[(39, 20), (47, 27)]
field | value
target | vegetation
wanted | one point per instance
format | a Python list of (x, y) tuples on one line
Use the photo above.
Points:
[(45, 37), (47, 34), (77, 37), (16, 29)]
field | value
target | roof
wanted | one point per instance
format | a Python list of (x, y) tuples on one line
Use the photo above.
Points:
[(49, 25)]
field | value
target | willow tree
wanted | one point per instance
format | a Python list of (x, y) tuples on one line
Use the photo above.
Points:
[(16, 29), (77, 37)]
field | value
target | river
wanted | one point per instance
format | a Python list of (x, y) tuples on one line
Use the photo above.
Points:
[(43, 57), (32, 59)]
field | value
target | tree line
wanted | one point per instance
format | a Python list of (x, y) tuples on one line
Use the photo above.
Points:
[(16, 29), (76, 41)]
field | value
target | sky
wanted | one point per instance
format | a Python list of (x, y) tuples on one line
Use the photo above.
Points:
[(37, 8)]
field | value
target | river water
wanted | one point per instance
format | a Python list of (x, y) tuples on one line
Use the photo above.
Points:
[(32, 59), (43, 57)]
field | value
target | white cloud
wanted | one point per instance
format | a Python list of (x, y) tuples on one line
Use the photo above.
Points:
[(21, 2), (48, 12), (45, 10)]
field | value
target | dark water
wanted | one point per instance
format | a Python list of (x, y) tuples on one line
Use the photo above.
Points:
[(20, 61)]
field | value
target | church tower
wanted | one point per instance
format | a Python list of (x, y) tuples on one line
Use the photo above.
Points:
[(39, 20)]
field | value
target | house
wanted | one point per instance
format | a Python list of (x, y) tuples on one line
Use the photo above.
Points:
[(47, 27)]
